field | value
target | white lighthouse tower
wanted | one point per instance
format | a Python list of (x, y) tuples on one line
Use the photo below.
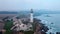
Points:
[(31, 16)]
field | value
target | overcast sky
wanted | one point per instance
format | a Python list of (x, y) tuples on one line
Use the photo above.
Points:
[(12, 5)]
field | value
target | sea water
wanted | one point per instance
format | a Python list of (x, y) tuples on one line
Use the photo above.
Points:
[(52, 21)]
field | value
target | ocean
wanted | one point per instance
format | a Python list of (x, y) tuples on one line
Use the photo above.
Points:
[(52, 21)]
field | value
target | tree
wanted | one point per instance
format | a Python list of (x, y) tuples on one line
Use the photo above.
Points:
[(8, 26)]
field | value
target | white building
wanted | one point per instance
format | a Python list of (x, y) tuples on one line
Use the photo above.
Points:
[(31, 16)]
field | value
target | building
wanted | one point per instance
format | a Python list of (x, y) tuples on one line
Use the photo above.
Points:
[(23, 22)]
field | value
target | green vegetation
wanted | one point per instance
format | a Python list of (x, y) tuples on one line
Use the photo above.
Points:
[(28, 32), (8, 26)]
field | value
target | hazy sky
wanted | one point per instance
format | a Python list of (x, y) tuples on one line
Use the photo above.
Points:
[(28, 4)]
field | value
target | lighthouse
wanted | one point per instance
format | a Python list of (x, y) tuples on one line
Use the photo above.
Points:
[(31, 16)]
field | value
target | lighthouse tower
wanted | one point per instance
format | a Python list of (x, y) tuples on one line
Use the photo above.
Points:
[(31, 16)]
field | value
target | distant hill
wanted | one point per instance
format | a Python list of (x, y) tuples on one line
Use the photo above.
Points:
[(36, 12), (8, 12)]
